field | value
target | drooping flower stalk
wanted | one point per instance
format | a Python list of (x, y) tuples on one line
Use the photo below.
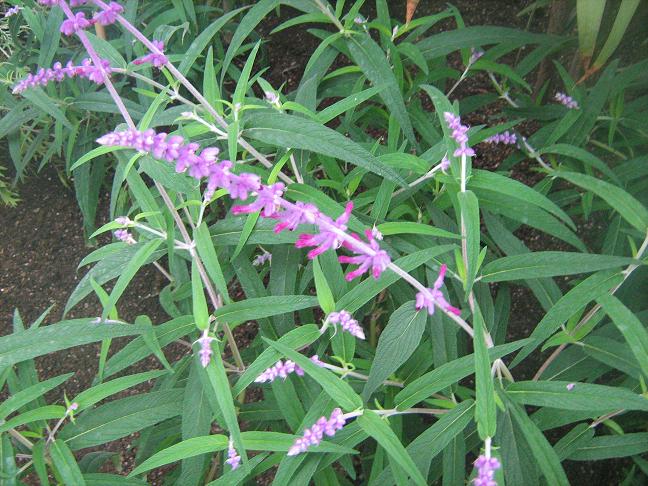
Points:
[(58, 73), (331, 233), (378, 262), (567, 101), (506, 138), (282, 369), (314, 435)]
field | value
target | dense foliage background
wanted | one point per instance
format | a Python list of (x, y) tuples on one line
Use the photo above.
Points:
[(509, 161)]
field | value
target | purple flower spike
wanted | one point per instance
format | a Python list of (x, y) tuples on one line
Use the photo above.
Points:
[(486, 468), (293, 216), (434, 296), (109, 14), (568, 101), (459, 134), (12, 11), (58, 73), (506, 138), (326, 238), (125, 236), (268, 201), (377, 262), (444, 164), (475, 54), (262, 258), (233, 459), (205, 351), (79, 22), (240, 186), (282, 370), (347, 323), (314, 435), (157, 60)]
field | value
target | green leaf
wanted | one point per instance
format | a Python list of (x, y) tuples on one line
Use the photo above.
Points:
[(101, 479), (632, 328), (569, 304), (624, 16), (406, 227), (295, 132), (200, 43), (335, 387), (484, 179), (255, 441), (583, 396), (324, 294), (371, 59), (65, 463), (452, 40), (377, 428), (397, 342), (543, 453), (549, 264), (627, 206), (346, 104), (583, 155), (247, 25), (219, 382), (446, 375), (47, 412), (485, 412), (578, 437), (23, 397), (251, 309), (139, 259), (588, 14), (209, 257), (470, 218), (29, 344), (120, 418), (95, 394), (611, 446), (199, 304)]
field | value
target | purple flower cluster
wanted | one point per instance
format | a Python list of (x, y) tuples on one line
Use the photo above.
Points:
[(157, 60), (568, 101), (444, 164), (314, 435), (434, 296), (377, 262), (233, 459), (125, 236), (205, 350), (347, 323), (507, 138), (486, 467), (475, 54), (109, 13), (76, 23), (460, 135), (262, 258), (12, 11), (282, 370), (48, 3), (58, 73), (269, 198)]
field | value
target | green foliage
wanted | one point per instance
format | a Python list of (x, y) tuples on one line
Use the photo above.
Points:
[(245, 302)]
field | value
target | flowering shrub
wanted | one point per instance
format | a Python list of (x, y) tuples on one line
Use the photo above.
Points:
[(406, 283)]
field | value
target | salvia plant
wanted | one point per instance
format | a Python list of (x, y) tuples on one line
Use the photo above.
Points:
[(384, 272)]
